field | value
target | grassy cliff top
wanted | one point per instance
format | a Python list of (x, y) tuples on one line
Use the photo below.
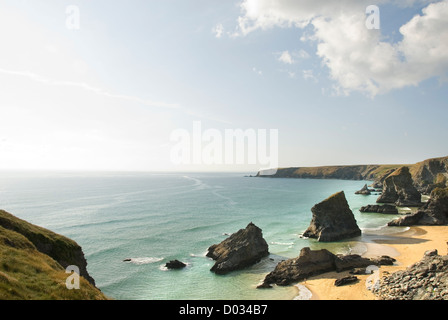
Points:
[(26, 273)]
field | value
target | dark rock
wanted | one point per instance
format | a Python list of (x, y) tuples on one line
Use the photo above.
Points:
[(175, 264), (346, 280), (386, 209), (242, 249), (434, 212), (348, 262), (314, 262), (332, 220), (398, 189), (365, 190), (308, 263)]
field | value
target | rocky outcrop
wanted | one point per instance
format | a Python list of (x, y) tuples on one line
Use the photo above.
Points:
[(385, 209), (64, 250), (365, 191), (314, 262), (434, 212), (175, 264), (424, 280), (398, 189), (242, 249), (332, 220)]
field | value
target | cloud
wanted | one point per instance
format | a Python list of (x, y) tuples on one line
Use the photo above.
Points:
[(359, 59), (218, 30), (87, 87), (286, 57), (309, 75)]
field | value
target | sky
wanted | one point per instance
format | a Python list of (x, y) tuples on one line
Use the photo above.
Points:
[(105, 85)]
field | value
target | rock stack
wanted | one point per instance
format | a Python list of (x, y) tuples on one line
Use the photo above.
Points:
[(242, 249), (398, 188), (434, 212), (332, 220)]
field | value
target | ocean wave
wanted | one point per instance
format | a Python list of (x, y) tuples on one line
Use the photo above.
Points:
[(282, 243), (143, 260)]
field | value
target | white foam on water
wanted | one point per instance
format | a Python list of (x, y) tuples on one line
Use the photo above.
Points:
[(145, 260), (304, 293)]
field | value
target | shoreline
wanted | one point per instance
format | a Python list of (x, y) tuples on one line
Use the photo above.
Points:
[(407, 247)]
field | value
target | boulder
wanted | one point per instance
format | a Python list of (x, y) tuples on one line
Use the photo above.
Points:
[(175, 264), (345, 280), (365, 190), (332, 220), (434, 212), (386, 209), (242, 249), (314, 262), (398, 188)]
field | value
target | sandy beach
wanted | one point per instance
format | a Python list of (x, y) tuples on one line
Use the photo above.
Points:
[(406, 247)]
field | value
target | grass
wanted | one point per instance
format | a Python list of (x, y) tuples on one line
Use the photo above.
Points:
[(28, 274)]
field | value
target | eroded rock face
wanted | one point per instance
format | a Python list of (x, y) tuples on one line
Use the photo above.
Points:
[(434, 212), (314, 262), (242, 249), (398, 188), (332, 220), (386, 209)]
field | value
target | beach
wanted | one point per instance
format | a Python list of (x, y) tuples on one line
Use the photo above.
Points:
[(406, 247)]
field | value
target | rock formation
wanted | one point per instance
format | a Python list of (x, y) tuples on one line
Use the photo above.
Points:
[(398, 189), (242, 249), (314, 262), (434, 212), (365, 190), (175, 264), (386, 209), (332, 220), (424, 280)]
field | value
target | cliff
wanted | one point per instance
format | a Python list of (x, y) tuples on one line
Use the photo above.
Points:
[(424, 173), (33, 261)]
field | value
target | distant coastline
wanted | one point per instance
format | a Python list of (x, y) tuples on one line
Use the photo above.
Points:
[(424, 173)]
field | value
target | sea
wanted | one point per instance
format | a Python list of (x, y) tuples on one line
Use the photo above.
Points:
[(149, 219)]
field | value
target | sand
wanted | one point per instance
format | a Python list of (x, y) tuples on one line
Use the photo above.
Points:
[(406, 247)]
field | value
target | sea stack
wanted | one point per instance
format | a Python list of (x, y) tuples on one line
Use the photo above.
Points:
[(242, 249), (332, 220), (365, 191), (433, 213), (398, 188)]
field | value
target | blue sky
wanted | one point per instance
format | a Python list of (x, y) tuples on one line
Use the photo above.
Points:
[(107, 95)]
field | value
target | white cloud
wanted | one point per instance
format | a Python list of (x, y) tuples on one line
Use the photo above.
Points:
[(218, 30), (309, 75), (359, 59), (286, 57)]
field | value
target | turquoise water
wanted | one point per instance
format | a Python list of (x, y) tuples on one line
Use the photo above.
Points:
[(152, 218)]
